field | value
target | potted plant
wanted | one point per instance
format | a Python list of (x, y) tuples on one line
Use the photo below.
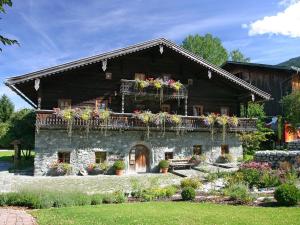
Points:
[(119, 166), (60, 169), (164, 166)]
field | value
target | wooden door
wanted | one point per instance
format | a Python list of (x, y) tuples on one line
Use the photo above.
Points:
[(141, 159)]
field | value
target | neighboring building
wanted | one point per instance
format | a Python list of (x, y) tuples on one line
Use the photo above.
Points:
[(276, 80), (107, 81)]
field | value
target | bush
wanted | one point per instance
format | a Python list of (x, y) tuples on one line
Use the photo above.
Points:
[(120, 197), (190, 182), (239, 192), (287, 194), (96, 199), (119, 165), (269, 179), (163, 164), (188, 194), (170, 191), (81, 199), (251, 176)]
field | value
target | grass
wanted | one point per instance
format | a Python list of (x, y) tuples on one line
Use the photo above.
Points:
[(167, 213), (7, 156)]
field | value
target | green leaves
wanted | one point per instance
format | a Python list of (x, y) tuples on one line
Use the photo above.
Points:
[(4, 40), (237, 56), (208, 47), (291, 106), (3, 3)]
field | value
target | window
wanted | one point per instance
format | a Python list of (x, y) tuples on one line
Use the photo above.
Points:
[(165, 108), (100, 157), (101, 104), (197, 149), (108, 76), (225, 111), (140, 76), (198, 110), (168, 155), (64, 157), (64, 103), (224, 149)]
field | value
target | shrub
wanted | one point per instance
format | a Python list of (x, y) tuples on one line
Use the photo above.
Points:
[(188, 194), (120, 197), (237, 177), (239, 192), (190, 182), (256, 165), (108, 198), (81, 199), (287, 194), (170, 191), (119, 165), (269, 179), (163, 164), (63, 200), (96, 199), (251, 176)]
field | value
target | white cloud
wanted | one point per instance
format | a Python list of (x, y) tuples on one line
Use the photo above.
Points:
[(284, 23)]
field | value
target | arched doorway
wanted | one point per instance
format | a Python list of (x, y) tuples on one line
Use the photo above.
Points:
[(139, 159)]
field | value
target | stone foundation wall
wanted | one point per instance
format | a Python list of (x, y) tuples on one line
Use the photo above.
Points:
[(275, 157), (294, 145), (118, 144)]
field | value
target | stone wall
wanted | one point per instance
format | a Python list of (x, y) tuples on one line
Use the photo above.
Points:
[(294, 145), (118, 145), (275, 157)]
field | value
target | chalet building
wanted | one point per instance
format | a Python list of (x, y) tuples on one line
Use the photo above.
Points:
[(276, 80), (115, 83)]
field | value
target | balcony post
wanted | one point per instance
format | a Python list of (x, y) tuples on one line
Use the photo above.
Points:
[(185, 106), (123, 99)]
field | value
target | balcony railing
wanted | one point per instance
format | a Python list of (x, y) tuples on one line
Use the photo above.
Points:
[(46, 119), (129, 87)]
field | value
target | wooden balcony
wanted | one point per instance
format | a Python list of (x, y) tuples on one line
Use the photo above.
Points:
[(46, 119), (128, 87)]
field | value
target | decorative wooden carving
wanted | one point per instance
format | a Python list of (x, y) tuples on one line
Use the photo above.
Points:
[(209, 74), (104, 65), (161, 49), (37, 84)]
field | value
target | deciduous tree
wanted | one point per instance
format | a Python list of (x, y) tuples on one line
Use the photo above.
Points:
[(208, 47), (6, 108), (237, 56), (5, 40)]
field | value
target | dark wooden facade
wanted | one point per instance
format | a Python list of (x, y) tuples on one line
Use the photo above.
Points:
[(98, 80), (278, 81)]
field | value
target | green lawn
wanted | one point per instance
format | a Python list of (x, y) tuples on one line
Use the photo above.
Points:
[(6, 156), (166, 213)]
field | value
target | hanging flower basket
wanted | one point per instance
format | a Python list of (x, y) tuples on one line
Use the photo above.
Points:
[(146, 117), (223, 121)]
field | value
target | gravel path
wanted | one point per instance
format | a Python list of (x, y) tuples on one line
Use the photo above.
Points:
[(15, 217), (89, 184)]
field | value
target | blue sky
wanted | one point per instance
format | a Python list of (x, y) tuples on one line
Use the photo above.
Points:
[(54, 32)]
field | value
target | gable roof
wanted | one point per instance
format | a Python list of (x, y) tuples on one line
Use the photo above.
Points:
[(131, 49), (265, 66)]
